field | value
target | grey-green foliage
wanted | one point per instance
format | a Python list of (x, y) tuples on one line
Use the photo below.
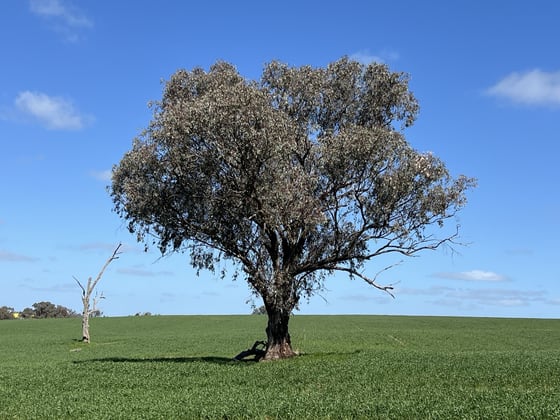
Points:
[(40, 310), (6, 312), (293, 177), (50, 310)]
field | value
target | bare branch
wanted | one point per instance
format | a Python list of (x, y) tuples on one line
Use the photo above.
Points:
[(372, 282), (113, 257), (96, 300), (80, 284)]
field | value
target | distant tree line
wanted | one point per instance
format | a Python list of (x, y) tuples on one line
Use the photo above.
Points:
[(40, 310)]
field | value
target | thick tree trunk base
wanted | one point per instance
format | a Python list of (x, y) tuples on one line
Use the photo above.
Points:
[(261, 352), (279, 351), (279, 342)]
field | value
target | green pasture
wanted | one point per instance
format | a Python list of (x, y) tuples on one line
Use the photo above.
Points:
[(369, 367)]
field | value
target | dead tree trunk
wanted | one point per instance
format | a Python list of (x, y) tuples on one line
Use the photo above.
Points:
[(87, 292)]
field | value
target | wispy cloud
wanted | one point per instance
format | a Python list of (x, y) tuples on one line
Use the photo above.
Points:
[(499, 297), (54, 113), (553, 301), (365, 57), (167, 297), (60, 287), (470, 298), (519, 251), (427, 291), (104, 248), (534, 87), (141, 272), (96, 246), (473, 275), (372, 298), (66, 18), (102, 175), (12, 257), (56, 9)]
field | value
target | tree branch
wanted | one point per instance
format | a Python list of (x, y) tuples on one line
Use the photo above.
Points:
[(113, 257), (80, 284), (369, 281)]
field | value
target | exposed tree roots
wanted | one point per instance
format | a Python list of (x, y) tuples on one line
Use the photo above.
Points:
[(258, 351)]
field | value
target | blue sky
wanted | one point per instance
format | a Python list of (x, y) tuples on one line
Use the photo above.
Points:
[(76, 77)]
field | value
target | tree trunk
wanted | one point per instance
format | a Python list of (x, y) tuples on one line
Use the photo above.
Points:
[(85, 329), (279, 343), (85, 319)]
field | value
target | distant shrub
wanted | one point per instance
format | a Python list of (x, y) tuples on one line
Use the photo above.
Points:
[(50, 310), (39, 310), (6, 312)]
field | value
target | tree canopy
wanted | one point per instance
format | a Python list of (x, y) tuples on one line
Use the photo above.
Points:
[(293, 177)]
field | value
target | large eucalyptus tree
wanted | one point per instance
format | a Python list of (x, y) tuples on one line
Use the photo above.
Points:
[(294, 177)]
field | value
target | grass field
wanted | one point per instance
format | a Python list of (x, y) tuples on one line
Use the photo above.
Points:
[(350, 367)]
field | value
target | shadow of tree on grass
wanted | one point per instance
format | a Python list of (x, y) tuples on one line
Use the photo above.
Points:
[(219, 360), (198, 359)]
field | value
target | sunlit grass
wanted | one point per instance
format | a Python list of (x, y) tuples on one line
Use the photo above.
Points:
[(350, 367)]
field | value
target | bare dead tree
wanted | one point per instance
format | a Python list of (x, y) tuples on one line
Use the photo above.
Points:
[(94, 310), (87, 291)]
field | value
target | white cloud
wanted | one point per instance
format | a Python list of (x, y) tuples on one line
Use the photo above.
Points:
[(365, 57), (472, 298), (535, 87), (102, 175), (473, 275), (498, 297), (65, 13), (62, 17), (53, 112)]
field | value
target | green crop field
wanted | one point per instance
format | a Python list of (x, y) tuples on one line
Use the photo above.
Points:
[(350, 367)]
